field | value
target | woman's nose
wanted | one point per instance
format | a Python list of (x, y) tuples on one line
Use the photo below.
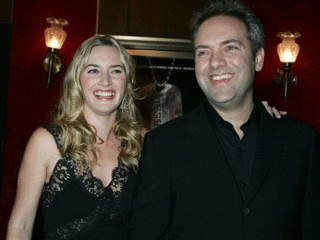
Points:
[(105, 80)]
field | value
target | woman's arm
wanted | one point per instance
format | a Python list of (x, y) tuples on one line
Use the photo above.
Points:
[(40, 153), (273, 111)]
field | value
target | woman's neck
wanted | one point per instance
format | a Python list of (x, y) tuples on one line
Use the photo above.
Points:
[(103, 125)]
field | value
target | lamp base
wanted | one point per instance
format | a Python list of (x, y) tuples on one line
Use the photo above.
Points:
[(52, 64), (284, 76), (56, 66)]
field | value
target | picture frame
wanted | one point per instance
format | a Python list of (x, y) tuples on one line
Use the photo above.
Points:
[(156, 47)]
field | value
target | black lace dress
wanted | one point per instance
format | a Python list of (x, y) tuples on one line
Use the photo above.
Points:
[(80, 207)]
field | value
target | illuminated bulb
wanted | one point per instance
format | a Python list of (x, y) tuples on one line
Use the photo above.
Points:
[(54, 43), (287, 56)]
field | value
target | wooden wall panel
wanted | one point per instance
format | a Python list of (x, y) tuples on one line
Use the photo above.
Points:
[(179, 15), (147, 18), (115, 17)]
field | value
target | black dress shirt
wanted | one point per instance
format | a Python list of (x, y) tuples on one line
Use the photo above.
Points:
[(240, 153)]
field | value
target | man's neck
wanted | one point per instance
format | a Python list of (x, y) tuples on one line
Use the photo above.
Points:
[(237, 115)]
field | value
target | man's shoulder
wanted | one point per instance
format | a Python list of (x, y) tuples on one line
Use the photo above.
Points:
[(293, 124), (285, 122), (178, 124), (291, 127)]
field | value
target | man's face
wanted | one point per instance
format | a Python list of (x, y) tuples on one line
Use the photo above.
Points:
[(224, 64)]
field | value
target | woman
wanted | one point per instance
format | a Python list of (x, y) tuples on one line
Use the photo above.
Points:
[(82, 167)]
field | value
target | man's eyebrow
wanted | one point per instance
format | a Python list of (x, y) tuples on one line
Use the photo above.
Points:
[(232, 41), (223, 43), (201, 46)]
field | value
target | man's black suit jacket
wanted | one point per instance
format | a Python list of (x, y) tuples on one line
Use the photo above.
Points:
[(187, 190)]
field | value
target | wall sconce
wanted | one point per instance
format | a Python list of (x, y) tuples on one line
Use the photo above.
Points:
[(55, 37), (288, 51)]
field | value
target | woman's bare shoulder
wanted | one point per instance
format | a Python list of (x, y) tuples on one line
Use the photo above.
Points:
[(42, 143)]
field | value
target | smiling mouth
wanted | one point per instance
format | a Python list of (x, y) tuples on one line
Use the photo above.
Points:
[(105, 94), (221, 77)]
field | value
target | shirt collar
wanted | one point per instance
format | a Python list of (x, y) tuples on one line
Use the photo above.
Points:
[(215, 118), (212, 114)]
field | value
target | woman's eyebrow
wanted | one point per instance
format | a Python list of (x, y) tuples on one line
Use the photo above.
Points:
[(114, 66), (92, 65)]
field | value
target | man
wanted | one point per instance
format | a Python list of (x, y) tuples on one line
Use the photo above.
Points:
[(228, 170)]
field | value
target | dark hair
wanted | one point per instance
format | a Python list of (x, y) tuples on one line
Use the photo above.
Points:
[(232, 8)]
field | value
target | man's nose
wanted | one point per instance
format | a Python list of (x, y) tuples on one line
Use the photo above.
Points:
[(217, 60)]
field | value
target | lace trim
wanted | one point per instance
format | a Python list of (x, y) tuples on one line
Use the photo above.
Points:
[(72, 229), (61, 174), (55, 133), (65, 169), (94, 185), (108, 204), (91, 184), (119, 178)]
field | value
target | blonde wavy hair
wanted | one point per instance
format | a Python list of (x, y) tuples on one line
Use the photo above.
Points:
[(78, 137)]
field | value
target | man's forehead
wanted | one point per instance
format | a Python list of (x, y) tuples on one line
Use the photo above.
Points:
[(227, 22), (221, 28)]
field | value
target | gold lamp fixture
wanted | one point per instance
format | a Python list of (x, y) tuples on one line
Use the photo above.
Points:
[(288, 51), (55, 37)]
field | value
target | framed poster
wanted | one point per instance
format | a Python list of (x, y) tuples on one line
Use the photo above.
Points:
[(167, 87), (165, 76)]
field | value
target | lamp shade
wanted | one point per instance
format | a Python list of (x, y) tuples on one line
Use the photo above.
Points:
[(55, 35), (288, 50)]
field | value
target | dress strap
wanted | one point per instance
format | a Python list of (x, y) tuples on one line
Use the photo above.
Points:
[(54, 131)]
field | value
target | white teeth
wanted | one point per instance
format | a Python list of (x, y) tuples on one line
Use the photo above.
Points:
[(224, 76), (104, 94)]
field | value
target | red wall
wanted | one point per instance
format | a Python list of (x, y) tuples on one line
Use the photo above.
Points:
[(292, 15), (29, 103)]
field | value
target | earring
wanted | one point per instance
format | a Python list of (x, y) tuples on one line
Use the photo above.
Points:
[(125, 105)]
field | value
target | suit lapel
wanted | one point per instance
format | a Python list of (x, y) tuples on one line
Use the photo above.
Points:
[(202, 139), (201, 135), (270, 148)]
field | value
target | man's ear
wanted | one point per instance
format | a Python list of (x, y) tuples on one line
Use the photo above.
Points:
[(259, 59)]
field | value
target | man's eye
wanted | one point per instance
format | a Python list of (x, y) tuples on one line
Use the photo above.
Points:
[(200, 53), (93, 71), (231, 47)]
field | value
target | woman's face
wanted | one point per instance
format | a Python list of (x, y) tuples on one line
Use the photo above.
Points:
[(103, 81)]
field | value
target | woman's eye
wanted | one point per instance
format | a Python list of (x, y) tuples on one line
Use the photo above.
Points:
[(116, 71), (93, 71)]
